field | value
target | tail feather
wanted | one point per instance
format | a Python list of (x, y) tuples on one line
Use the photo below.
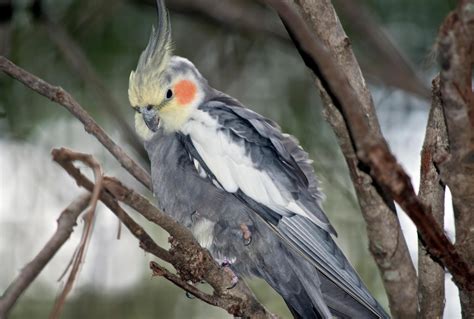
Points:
[(310, 294), (302, 296), (326, 298)]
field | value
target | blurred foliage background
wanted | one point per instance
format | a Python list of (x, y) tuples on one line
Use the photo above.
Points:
[(89, 48)]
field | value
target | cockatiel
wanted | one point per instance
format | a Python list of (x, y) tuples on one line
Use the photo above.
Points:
[(246, 190)]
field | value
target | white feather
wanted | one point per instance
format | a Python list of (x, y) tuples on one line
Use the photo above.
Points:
[(203, 231), (234, 169)]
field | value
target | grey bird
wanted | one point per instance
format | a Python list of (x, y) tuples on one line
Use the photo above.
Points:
[(246, 190)]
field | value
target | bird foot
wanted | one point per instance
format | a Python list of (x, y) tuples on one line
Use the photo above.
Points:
[(226, 263), (246, 234)]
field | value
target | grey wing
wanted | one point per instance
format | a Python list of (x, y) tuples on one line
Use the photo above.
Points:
[(271, 151)]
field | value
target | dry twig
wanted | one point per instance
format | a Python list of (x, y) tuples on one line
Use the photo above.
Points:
[(66, 222), (80, 254)]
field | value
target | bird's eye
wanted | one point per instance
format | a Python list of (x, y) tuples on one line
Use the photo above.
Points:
[(149, 107), (169, 94)]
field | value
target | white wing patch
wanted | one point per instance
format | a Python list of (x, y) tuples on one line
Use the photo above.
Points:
[(203, 231), (233, 169)]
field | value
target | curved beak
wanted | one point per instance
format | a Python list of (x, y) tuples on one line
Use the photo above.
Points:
[(150, 118)]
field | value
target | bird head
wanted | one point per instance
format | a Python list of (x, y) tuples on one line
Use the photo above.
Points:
[(164, 89)]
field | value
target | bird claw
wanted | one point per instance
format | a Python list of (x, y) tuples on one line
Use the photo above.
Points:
[(234, 281), (226, 263), (246, 234)]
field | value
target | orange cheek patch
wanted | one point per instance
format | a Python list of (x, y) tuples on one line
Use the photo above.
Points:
[(185, 91)]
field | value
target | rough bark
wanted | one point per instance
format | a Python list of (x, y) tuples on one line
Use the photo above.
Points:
[(456, 53), (387, 244), (370, 147), (431, 298)]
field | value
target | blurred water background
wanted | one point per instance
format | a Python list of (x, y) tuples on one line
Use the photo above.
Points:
[(261, 69)]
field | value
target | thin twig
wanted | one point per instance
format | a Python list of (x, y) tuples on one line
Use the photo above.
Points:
[(60, 96), (372, 149), (146, 242), (160, 271), (79, 258), (66, 223)]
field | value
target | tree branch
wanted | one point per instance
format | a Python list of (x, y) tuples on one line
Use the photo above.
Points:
[(456, 53), (60, 96), (192, 262), (431, 274), (78, 61), (371, 148), (390, 66), (386, 240), (66, 223)]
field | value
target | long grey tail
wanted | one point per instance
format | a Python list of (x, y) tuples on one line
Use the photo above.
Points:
[(304, 300), (309, 294)]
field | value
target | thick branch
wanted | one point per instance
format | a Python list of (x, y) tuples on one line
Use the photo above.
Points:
[(60, 96), (456, 52), (431, 274), (66, 223), (192, 262), (371, 148), (386, 240)]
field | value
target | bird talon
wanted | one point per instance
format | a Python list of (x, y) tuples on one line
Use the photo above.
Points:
[(233, 282), (246, 234), (226, 263)]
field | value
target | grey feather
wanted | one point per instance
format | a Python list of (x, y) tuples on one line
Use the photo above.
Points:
[(159, 44)]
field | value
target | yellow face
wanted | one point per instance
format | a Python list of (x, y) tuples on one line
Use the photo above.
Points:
[(173, 103)]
